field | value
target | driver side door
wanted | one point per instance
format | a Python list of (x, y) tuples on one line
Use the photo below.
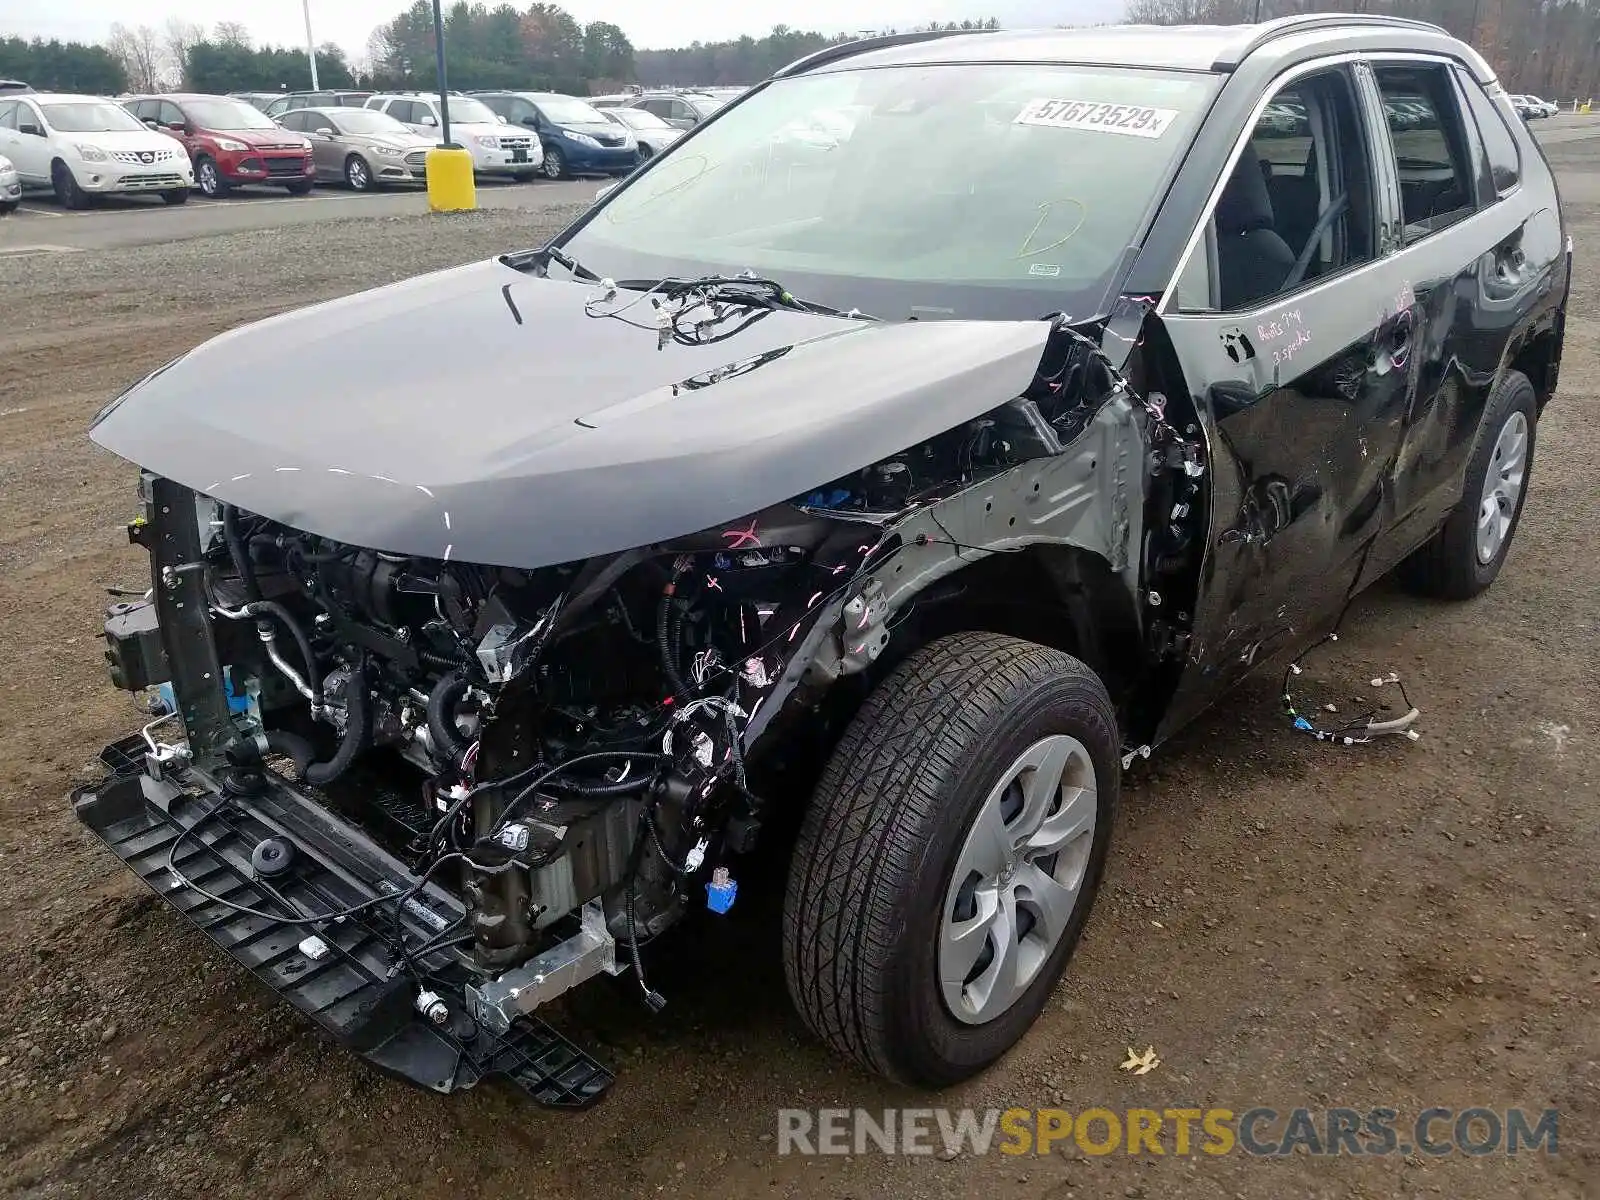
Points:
[(1282, 319), (29, 151)]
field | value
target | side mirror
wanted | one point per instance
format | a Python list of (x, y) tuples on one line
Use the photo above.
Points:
[(325, 132), (31, 129), (152, 123), (178, 126), (428, 119), (502, 120)]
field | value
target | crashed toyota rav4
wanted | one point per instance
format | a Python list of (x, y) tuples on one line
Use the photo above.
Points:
[(495, 616)]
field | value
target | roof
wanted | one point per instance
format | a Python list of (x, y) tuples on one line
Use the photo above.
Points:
[(1210, 48), (64, 97)]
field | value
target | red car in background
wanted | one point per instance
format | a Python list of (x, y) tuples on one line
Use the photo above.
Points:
[(231, 143)]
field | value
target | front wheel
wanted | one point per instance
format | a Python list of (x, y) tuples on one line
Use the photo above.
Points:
[(525, 176), (7, 207), (302, 188), (1463, 558), (209, 178), (950, 857), (357, 174), (176, 196), (68, 193), (554, 165)]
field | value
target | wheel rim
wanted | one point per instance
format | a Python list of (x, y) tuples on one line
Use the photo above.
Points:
[(1017, 879), (208, 179), (358, 174), (552, 164), (1502, 487)]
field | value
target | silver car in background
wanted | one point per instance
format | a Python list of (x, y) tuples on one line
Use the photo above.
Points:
[(361, 146), (652, 133)]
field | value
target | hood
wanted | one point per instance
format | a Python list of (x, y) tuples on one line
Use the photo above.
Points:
[(397, 141), (479, 414), (477, 128), (257, 138), (125, 139)]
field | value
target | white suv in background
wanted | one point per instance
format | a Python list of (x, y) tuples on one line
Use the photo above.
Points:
[(86, 146), (497, 148), (10, 187)]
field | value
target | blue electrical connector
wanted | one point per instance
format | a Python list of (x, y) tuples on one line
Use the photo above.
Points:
[(721, 891)]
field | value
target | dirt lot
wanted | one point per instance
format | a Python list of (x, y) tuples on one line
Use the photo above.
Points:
[(1286, 923)]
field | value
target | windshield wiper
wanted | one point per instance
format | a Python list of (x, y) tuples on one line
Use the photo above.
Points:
[(545, 255), (747, 289)]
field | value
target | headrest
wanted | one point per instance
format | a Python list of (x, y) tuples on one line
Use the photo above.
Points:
[(1245, 204)]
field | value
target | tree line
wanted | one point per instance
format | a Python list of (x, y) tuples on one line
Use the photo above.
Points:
[(1547, 47)]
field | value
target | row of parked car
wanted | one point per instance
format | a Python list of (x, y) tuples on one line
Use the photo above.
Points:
[(81, 147)]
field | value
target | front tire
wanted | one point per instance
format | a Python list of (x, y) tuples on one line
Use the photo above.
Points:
[(950, 857), (358, 174), (554, 165), (209, 179), (302, 188), (1464, 557), (68, 193), (176, 196), (7, 207)]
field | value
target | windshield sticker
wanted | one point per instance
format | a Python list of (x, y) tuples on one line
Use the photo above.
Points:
[(1133, 119), (1048, 269)]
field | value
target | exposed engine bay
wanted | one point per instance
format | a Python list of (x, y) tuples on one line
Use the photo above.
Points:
[(570, 751)]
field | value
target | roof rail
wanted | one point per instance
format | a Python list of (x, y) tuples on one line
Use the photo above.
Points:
[(1268, 31), (832, 54)]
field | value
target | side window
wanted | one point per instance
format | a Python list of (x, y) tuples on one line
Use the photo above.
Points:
[(294, 121), (1430, 146), (682, 111), (661, 106), (1501, 155), (8, 114), (1297, 206), (170, 114)]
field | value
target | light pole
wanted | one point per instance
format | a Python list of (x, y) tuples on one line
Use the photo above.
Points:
[(444, 84), (311, 47)]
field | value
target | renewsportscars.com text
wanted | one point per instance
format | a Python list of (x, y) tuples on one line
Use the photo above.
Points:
[(1259, 1131)]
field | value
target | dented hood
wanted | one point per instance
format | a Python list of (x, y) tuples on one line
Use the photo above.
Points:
[(481, 415)]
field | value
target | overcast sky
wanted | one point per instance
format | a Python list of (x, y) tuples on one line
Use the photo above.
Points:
[(648, 23)]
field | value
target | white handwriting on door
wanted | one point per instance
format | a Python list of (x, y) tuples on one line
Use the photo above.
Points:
[(1285, 333)]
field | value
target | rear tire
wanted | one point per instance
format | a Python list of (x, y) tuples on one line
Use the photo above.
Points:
[(882, 891), (1464, 557), (68, 193), (176, 196)]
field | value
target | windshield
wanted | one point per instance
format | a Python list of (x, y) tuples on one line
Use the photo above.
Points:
[(362, 120), (91, 116), (968, 190), (227, 114), (637, 118), (471, 112), (569, 110)]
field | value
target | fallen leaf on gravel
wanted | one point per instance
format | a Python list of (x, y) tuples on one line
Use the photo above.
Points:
[(1141, 1064)]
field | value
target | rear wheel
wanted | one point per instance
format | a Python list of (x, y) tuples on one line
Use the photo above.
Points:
[(950, 856), (1463, 558), (554, 166), (176, 196), (209, 178), (68, 193), (357, 174)]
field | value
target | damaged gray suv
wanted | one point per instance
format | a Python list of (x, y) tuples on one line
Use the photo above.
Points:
[(862, 503)]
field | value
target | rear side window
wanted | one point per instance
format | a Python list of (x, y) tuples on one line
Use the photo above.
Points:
[(8, 114), (1503, 159), (1431, 151)]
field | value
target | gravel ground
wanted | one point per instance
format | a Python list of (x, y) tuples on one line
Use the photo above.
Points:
[(1286, 923)]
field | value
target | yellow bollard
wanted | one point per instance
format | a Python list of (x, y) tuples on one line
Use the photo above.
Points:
[(450, 185)]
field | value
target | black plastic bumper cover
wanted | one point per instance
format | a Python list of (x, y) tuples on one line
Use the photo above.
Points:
[(358, 990)]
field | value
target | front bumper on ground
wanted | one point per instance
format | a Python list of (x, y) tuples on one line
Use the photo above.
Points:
[(516, 159), (345, 975), (586, 160)]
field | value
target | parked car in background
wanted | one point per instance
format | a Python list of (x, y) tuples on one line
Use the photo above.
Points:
[(261, 100), (651, 133), (14, 86), (683, 109), (289, 101), (10, 187), (1532, 108), (230, 143), (576, 137), (496, 150), (364, 148), (87, 146)]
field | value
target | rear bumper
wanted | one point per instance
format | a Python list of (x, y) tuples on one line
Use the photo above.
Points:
[(345, 975)]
